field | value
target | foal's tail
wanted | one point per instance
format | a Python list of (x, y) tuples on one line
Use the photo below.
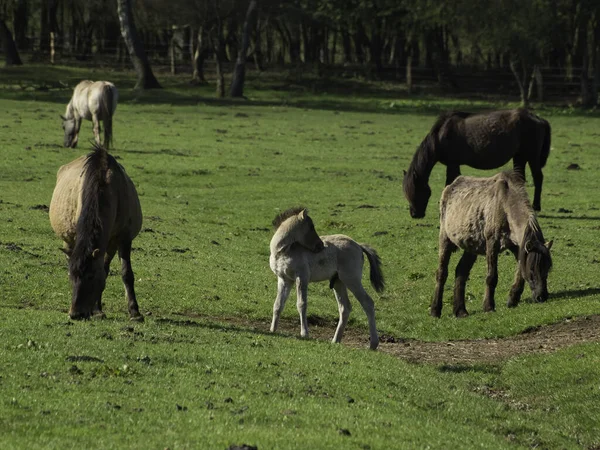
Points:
[(376, 275), (107, 104)]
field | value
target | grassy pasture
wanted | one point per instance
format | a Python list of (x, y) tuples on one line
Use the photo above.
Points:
[(202, 371)]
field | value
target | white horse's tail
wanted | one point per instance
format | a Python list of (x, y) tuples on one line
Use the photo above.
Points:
[(375, 275), (107, 104)]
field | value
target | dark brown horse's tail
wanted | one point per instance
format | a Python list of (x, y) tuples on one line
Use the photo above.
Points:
[(545, 150), (93, 198), (107, 104), (376, 275)]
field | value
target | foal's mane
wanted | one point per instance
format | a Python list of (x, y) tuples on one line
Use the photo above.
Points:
[(93, 198), (282, 217)]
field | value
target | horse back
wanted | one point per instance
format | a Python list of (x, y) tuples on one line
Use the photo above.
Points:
[(128, 211), (95, 98)]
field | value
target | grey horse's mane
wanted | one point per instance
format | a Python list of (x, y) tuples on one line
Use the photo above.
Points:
[(282, 217)]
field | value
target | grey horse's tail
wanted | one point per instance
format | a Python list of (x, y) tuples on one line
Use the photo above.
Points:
[(376, 275), (107, 105)]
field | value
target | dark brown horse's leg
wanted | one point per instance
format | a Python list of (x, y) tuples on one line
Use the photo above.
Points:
[(518, 285), (492, 250), (446, 248), (452, 173), (128, 278), (463, 269), (538, 179)]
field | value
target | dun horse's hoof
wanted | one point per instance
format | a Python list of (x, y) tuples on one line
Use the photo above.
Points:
[(138, 318), (461, 313)]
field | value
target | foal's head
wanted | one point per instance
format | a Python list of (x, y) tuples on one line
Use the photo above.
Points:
[(417, 192), (71, 132), (536, 262), (300, 227)]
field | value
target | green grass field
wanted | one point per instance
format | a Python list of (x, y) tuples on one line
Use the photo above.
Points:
[(203, 371)]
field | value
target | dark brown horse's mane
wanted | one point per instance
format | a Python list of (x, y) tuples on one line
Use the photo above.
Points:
[(282, 217), (93, 200)]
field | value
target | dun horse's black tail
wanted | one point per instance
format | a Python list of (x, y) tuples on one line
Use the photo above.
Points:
[(375, 275), (93, 197), (107, 105)]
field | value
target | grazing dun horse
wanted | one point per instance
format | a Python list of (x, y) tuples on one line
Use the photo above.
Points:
[(299, 256), (484, 216), (483, 141), (95, 101), (95, 210)]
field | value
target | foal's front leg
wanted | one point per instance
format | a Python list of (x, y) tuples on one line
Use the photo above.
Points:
[(492, 250), (283, 291), (302, 303)]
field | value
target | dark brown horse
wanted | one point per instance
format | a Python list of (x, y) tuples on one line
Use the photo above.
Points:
[(483, 141), (95, 210), (483, 216)]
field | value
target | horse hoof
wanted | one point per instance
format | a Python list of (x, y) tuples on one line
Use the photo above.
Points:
[(138, 318), (98, 315), (435, 313), (462, 313), (373, 346), (510, 304)]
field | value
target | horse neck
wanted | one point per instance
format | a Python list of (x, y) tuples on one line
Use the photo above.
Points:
[(282, 239), (424, 160), (70, 111), (525, 227)]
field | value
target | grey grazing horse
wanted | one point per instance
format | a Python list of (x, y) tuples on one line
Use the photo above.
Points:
[(483, 216), (483, 141), (95, 210), (299, 255), (95, 101)]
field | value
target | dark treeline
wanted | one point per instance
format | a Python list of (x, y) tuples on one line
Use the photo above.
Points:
[(538, 47)]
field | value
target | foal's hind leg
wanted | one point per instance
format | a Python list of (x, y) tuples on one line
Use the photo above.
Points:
[(344, 307), (302, 303), (518, 284), (368, 306), (128, 279), (283, 291), (463, 268), (492, 250), (445, 251)]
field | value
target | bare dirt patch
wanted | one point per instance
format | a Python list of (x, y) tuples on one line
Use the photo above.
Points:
[(542, 339)]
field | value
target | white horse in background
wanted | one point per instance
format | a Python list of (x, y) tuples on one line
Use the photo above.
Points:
[(299, 256), (95, 101)]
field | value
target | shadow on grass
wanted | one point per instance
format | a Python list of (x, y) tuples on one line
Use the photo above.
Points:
[(577, 293), (548, 216), (477, 368)]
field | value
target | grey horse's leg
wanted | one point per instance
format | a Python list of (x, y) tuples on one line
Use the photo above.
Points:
[(283, 291), (355, 286), (463, 269), (445, 251), (128, 279), (518, 284), (302, 303), (491, 280), (344, 307), (452, 173), (538, 179)]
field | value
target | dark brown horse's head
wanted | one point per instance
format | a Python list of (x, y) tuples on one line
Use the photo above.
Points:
[(88, 280), (535, 264), (417, 192), (71, 132)]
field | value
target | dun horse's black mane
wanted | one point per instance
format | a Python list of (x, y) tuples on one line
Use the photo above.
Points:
[(282, 217), (93, 199)]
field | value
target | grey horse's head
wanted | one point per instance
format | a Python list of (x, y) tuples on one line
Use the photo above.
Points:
[(535, 266), (71, 132)]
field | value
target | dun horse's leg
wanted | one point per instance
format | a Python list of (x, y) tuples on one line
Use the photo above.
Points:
[(491, 254), (518, 285), (441, 276), (344, 307), (128, 278), (283, 291), (97, 313), (301, 304), (97, 130), (538, 179), (463, 269), (452, 173), (368, 306)]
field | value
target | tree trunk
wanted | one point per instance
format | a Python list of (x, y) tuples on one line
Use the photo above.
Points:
[(347, 46), (239, 72), (145, 77), (20, 23), (258, 51), (200, 55), (218, 44), (10, 49), (520, 82)]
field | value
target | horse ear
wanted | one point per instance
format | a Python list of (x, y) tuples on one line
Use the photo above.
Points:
[(529, 246), (549, 244), (303, 214), (95, 253), (62, 117)]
